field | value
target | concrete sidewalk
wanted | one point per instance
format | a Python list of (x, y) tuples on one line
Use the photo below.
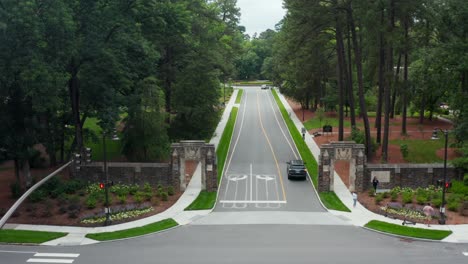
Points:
[(359, 215)]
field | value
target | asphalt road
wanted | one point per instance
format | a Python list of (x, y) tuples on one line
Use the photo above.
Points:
[(252, 244), (261, 224)]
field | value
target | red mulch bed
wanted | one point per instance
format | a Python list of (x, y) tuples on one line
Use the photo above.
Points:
[(415, 131), (36, 213)]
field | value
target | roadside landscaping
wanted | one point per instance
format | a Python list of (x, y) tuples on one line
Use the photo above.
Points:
[(137, 231), (407, 203), (408, 231), (25, 236), (239, 96), (205, 201), (330, 199)]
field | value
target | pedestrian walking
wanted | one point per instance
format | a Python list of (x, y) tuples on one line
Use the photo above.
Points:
[(428, 211), (375, 183), (354, 199)]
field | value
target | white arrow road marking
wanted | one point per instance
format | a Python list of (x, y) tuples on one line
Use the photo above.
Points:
[(265, 177), (237, 178)]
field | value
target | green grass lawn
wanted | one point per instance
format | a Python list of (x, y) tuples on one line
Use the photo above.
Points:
[(315, 123), (205, 201), (408, 231), (25, 236), (331, 201), (306, 155), (239, 96), (225, 141), (421, 151), (133, 232)]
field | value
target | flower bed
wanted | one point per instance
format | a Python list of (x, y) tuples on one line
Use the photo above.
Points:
[(118, 214)]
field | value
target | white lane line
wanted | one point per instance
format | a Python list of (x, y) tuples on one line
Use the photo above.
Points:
[(279, 125), (253, 202), (57, 255), (50, 260), (251, 191)]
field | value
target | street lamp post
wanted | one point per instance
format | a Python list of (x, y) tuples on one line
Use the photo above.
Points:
[(108, 220), (442, 218), (106, 187)]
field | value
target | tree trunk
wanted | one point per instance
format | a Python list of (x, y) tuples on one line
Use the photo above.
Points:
[(405, 79), (421, 109), (17, 172), (388, 81), (395, 87), (340, 70), (378, 116), (362, 103), (74, 91), (352, 106), (26, 169)]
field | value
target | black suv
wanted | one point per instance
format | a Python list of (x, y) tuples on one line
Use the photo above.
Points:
[(296, 170)]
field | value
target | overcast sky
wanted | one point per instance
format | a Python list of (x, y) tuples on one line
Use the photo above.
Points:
[(260, 15)]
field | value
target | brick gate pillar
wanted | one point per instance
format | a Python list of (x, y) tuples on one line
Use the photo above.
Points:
[(325, 183)]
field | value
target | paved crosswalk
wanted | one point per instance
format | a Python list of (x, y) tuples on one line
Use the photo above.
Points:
[(53, 258), (271, 217)]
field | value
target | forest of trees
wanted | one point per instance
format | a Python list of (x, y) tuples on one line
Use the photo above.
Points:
[(157, 67), (385, 56), (157, 63)]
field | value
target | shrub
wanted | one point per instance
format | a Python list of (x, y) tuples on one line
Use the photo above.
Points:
[(437, 202), (394, 196), (73, 186), (170, 190), (459, 187), (453, 206), (465, 179), (371, 192), (15, 189), (52, 184), (422, 199), (91, 202), (133, 189), (73, 214), (147, 188), (379, 198), (404, 150), (386, 194), (37, 196), (56, 192), (122, 198), (138, 197), (407, 197), (148, 195), (164, 196)]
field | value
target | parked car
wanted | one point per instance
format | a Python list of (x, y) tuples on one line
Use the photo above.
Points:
[(296, 170), (264, 86)]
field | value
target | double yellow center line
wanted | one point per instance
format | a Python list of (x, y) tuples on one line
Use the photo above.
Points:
[(271, 147)]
